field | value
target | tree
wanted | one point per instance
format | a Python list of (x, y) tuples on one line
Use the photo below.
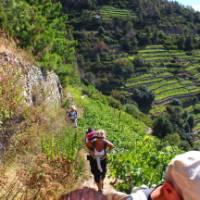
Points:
[(143, 97), (189, 43), (162, 126)]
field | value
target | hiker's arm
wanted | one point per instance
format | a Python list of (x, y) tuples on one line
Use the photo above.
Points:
[(89, 145), (109, 145)]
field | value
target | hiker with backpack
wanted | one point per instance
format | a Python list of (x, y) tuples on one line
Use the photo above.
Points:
[(73, 115), (181, 182), (98, 146)]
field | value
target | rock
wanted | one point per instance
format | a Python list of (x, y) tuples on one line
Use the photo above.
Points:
[(38, 86)]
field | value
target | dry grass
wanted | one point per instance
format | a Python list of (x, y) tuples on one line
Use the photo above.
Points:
[(26, 172), (40, 177), (9, 46)]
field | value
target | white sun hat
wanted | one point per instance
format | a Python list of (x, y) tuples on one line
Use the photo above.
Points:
[(184, 173)]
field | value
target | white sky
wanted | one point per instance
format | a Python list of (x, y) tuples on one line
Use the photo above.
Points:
[(194, 3)]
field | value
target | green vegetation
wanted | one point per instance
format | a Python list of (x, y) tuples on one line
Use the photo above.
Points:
[(65, 143), (151, 62), (168, 77), (109, 12), (166, 30), (137, 158), (10, 96), (42, 30)]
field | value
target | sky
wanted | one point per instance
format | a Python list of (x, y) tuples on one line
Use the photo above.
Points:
[(194, 3)]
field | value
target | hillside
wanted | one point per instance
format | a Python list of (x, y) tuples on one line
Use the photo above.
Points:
[(130, 67), (42, 149), (30, 109), (170, 75), (148, 64), (103, 43)]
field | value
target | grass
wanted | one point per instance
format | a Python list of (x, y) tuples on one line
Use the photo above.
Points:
[(66, 143)]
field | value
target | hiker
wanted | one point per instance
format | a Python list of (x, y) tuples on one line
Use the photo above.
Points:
[(98, 147), (73, 115), (182, 182)]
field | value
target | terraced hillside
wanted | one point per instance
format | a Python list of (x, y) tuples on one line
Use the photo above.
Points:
[(169, 74), (109, 12)]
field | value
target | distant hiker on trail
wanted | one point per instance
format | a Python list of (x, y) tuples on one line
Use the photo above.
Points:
[(182, 182), (73, 115), (98, 146)]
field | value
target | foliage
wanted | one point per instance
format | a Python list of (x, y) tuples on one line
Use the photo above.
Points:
[(136, 159), (41, 28), (140, 164), (64, 144), (143, 97), (175, 120), (176, 102), (10, 95), (114, 103), (162, 126), (102, 41)]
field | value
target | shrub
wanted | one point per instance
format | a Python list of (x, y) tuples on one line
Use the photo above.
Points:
[(42, 30), (176, 102), (162, 126), (64, 144), (173, 139), (120, 95), (131, 109), (138, 62), (143, 97), (196, 145), (114, 103)]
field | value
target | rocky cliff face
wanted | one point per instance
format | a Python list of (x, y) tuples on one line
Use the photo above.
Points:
[(23, 84), (38, 86)]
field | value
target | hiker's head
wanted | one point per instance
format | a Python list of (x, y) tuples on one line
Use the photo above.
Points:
[(166, 191), (182, 180), (89, 130), (101, 134), (73, 107)]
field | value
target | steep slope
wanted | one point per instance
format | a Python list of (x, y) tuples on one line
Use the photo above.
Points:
[(42, 152), (137, 157), (103, 43), (152, 60), (30, 109), (23, 82), (170, 74)]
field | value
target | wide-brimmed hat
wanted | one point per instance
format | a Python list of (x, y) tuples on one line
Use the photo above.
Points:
[(184, 173)]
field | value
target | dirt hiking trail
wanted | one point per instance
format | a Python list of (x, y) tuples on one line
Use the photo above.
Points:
[(89, 180)]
